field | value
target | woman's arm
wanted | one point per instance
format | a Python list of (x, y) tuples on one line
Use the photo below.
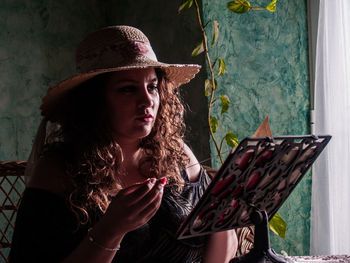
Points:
[(90, 252), (222, 247), (131, 208), (193, 168)]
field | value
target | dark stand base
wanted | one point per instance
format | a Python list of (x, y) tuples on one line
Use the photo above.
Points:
[(261, 253)]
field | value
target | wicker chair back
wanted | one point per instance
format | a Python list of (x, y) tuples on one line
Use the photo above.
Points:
[(11, 189)]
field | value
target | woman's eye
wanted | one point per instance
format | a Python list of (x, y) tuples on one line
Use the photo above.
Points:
[(127, 89), (153, 88)]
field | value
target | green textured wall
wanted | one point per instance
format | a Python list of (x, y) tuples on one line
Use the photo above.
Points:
[(37, 41), (267, 74)]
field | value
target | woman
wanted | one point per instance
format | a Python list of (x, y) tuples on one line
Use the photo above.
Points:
[(114, 180)]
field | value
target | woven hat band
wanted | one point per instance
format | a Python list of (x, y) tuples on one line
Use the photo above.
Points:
[(116, 55)]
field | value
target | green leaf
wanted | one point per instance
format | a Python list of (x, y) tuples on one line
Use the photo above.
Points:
[(198, 49), (213, 124), (239, 6), (231, 139), (278, 225), (222, 67), (272, 6), (185, 5), (225, 103), (216, 32), (208, 87)]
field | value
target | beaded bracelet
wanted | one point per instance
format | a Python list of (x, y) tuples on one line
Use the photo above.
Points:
[(93, 241)]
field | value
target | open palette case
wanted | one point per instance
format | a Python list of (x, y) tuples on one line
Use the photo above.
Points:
[(252, 184)]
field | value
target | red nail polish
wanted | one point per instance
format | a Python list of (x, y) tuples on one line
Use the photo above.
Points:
[(162, 180), (153, 180)]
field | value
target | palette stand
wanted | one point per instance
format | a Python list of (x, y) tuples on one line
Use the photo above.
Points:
[(262, 252)]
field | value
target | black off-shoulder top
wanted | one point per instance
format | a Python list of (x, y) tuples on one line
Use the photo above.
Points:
[(45, 229)]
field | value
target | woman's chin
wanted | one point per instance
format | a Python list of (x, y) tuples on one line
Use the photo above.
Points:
[(145, 134), (141, 133), (136, 133), (143, 130)]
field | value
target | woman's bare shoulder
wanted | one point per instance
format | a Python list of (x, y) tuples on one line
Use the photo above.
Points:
[(193, 168), (49, 174)]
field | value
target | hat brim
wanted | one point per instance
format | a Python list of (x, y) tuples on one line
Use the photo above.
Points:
[(177, 73)]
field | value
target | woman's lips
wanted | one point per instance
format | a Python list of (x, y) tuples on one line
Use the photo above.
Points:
[(145, 118)]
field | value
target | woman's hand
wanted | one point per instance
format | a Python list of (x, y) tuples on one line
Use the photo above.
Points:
[(130, 209)]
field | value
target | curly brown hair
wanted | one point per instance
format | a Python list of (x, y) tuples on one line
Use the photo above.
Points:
[(93, 157)]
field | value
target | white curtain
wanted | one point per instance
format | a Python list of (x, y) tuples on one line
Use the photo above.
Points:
[(330, 213)]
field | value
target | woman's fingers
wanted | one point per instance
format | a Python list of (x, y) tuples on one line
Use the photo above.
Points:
[(148, 198), (150, 203), (135, 205), (137, 191), (151, 208), (142, 194)]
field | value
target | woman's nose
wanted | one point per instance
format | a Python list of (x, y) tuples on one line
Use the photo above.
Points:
[(145, 98)]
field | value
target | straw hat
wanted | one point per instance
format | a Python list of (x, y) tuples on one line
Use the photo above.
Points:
[(114, 48)]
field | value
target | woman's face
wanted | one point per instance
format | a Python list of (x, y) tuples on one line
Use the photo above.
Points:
[(132, 100)]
